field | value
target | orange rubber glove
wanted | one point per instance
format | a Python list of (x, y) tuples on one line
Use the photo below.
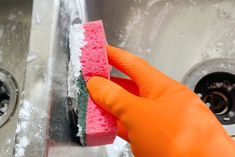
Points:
[(163, 118)]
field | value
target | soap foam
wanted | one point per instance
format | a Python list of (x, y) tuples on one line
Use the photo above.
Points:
[(76, 42)]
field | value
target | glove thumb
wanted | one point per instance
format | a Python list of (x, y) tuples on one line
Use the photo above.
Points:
[(112, 97)]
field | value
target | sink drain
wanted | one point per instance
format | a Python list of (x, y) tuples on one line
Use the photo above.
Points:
[(8, 95), (214, 81), (217, 90)]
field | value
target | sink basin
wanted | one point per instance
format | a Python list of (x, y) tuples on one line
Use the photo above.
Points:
[(172, 35), (15, 21)]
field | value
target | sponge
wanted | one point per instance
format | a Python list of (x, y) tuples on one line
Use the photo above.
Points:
[(88, 57)]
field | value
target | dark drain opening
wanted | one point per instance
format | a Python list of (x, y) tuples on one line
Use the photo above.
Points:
[(217, 90), (8, 96), (4, 98)]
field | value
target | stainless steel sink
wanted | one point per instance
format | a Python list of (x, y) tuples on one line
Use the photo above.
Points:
[(15, 21), (173, 35)]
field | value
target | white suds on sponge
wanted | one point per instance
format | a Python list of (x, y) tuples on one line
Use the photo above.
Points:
[(76, 42)]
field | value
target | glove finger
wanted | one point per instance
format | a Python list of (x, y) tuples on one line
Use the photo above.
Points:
[(127, 84), (122, 131), (151, 82), (113, 98)]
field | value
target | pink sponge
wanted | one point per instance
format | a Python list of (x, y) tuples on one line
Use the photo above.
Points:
[(99, 126)]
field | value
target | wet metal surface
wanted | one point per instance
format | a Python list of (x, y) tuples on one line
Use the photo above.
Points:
[(172, 35), (15, 21)]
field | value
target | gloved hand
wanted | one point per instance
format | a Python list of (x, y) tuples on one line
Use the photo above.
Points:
[(163, 118)]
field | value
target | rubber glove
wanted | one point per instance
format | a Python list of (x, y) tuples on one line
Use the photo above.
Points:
[(165, 118)]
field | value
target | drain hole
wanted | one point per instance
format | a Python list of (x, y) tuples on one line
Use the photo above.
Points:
[(217, 90), (8, 95), (219, 101), (4, 98)]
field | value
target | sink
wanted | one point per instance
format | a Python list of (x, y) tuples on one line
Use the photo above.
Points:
[(15, 21), (173, 35)]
